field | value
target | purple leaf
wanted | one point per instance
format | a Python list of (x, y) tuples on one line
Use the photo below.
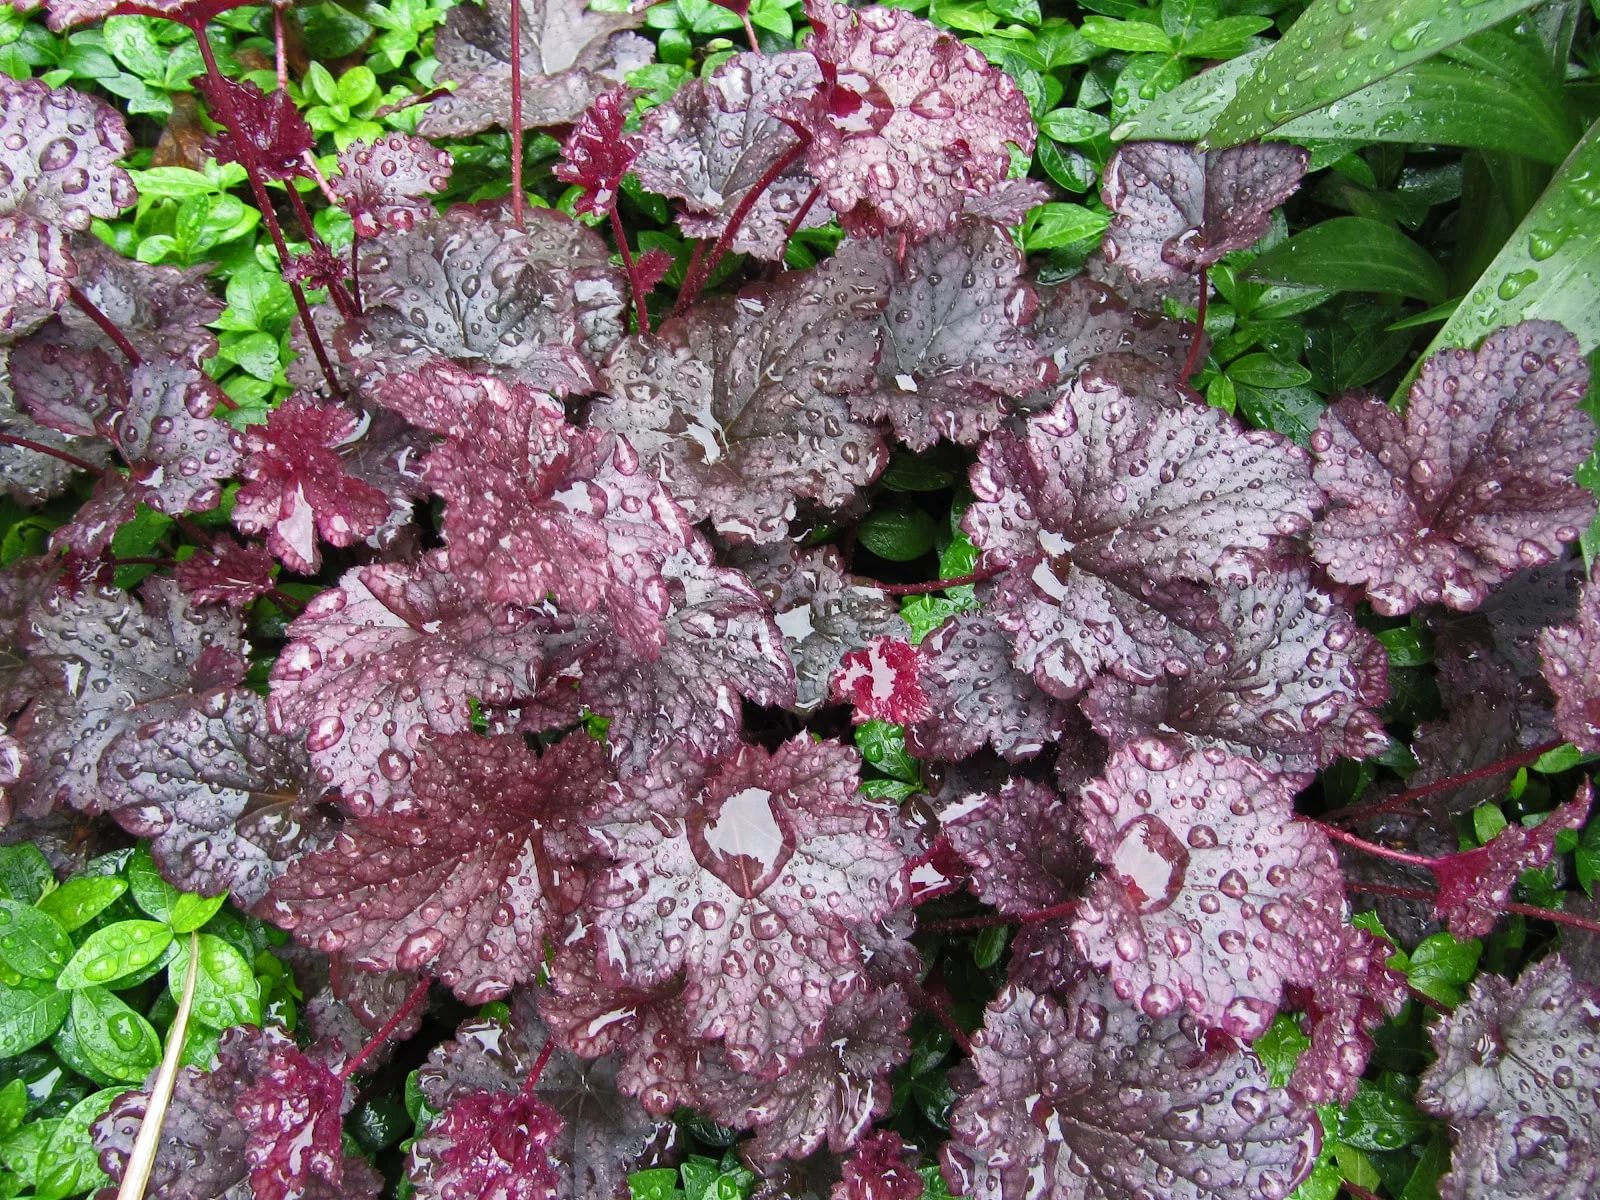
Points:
[(738, 407), (562, 512), (179, 455), (1084, 1098), (597, 153), (1354, 994), (909, 120), (1009, 202), (385, 184), (880, 681), (58, 156), (229, 573), (1179, 209), (112, 664), (297, 488), (391, 655), (882, 1168), (64, 13), (821, 613), (748, 878), (954, 347), (1080, 320), (467, 891), (1474, 885), (1572, 668), (570, 54), (275, 137), (472, 286), (1022, 844), (200, 1155), (1471, 485), (26, 476), (721, 644), (225, 804), (489, 1144), (1108, 507), (1288, 680), (440, 395), (977, 696), (1214, 896), (38, 273), (717, 137), (1516, 1074)]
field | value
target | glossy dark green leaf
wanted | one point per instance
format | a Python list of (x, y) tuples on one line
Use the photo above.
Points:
[(1406, 647), (1442, 965), (897, 534), (1354, 254), (1293, 412), (29, 1013), (884, 747), (24, 873), (1052, 225), (225, 988), (112, 1036), (32, 943), (115, 952), (1264, 371), (1133, 36), (71, 1163)]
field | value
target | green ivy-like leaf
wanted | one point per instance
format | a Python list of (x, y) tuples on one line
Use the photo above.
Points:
[(116, 1039), (29, 1013), (32, 943), (78, 901), (225, 988), (114, 952)]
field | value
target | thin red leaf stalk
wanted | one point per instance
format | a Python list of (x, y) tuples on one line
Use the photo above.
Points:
[(107, 326), (1511, 908), (700, 269), (539, 1064), (417, 995), (932, 585), (1512, 762), (641, 312), (72, 460), (1191, 363)]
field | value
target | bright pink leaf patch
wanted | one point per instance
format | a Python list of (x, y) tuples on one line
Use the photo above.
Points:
[(880, 680), (491, 1144), (597, 153)]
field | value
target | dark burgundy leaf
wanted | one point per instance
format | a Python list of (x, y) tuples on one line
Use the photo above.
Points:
[(66, 387), (58, 156), (489, 1144), (1471, 485), (1288, 680), (977, 696), (1214, 896), (882, 1168), (1353, 995), (229, 573), (738, 407), (385, 184), (1179, 209), (262, 131), (597, 153), (954, 347), (391, 655), (570, 54), (112, 664), (1516, 1075), (296, 485), (1081, 319), (318, 267), (1474, 885), (748, 878), (880, 681), (1009, 202), (467, 879), (1572, 668), (225, 804), (39, 268), (1108, 507), (200, 1155), (27, 476), (64, 13), (717, 137), (445, 397), (1022, 844), (178, 454), (1084, 1098), (909, 121)]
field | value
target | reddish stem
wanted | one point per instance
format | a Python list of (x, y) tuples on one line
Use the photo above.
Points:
[(532, 1081), (1192, 362), (1377, 851), (750, 31), (516, 112), (355, 270), (386, 1030), (640, 311), (141, 560), (697, 277), (72, 460), (323, 186), (1365, 812), (107, 325), (1522, 910), (336, 293), (1360, 1193), (926, 998), (280, 53), (794, 222), (931, 585), (286, 602), (247, 157)]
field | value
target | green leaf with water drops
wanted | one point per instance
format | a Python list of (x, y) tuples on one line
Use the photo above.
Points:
[(1549, 269), (23, 1150), (1338, 47), (114, 952), (1354, 254), (117, 1040), (151, 892), (13, 1105), (225, 988), (1382, 1116), (24, 873), (1496, 92), (78, 901), (32, 943), (29, 1013), (71, 1163)]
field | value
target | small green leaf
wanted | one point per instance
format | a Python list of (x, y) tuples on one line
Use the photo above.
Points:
[(1354, 254), (116, 1039), (1050, 226), (1073, 124), (114, 952), (24, 1150), (660, 1183), (24, 873), (29, 1013), (150, 892), (1134, 36), (191, 911), (71, 1162), (1382, 1116), (1563, 758), (1586, 856), (225, 988), (897, 534), (32, 943), (13, 1105), (1406, 647), (1441, 966), (989, 946), (1264, 371), (884, 746), (1280, 1048)]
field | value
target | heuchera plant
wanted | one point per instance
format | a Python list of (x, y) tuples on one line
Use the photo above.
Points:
[(566, 723)]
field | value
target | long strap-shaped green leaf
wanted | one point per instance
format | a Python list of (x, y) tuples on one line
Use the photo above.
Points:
[(1338, 47)]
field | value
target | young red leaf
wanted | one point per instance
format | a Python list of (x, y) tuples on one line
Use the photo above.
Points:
[(1517, 1070), (954, 347), (737, 404), (1473, 484), (748, 877), (263, 131), (1214, 896), (882, 1168), (880, 681), (467, 879), (1571, 655), (909, 121), (570, 54), (385, 184), (717, 137), (489, 1144), (597, 153), (392, 655), (1354, 994), (229, 573), (1083, 1097)]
